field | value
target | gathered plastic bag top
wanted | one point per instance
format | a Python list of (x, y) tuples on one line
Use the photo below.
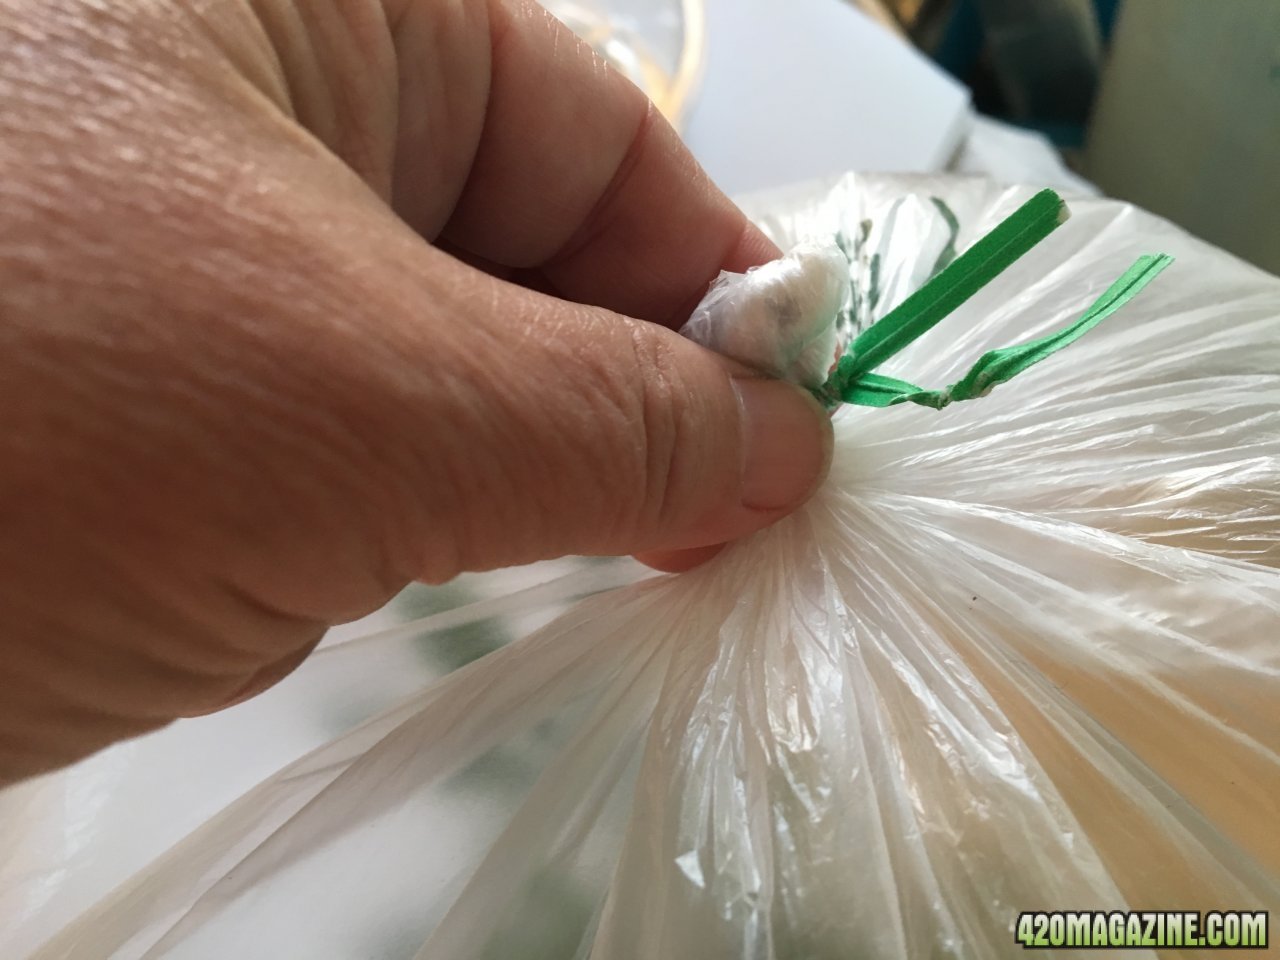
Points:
[(1018, 654)]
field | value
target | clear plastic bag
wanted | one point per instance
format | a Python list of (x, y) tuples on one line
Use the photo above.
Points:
[(1021, 654)]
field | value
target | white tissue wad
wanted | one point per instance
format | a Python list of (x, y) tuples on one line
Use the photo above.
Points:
[(1021, 654), (780, 318)]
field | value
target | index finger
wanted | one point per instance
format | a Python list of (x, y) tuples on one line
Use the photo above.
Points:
[(578, 175)]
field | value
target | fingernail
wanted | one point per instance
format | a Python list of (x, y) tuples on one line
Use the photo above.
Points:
[(787, 444)]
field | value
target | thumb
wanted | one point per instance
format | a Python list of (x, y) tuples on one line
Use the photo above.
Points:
[(593, 433)]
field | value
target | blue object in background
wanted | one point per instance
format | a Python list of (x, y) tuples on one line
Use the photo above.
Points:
[(1035, 63), (1107, 11), (960, 47)]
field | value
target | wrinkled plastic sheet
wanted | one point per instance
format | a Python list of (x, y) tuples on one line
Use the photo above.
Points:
[(1020, 654)]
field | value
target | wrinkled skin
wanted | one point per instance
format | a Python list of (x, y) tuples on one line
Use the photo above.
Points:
[(302, 301)]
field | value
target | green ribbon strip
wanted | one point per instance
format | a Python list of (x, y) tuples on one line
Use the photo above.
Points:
[(1000, 366), (853, 380)]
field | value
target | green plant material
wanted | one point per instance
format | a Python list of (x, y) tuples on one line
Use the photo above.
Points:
[(865, 267), (953, 229), (873, 286), (453, 647), (1000, 366), (854, 380), (968, 274), (549, 923)]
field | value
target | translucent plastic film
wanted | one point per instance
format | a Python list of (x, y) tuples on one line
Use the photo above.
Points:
[(1020, 654), (782, 318)]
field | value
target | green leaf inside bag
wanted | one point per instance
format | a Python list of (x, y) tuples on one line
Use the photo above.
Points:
[(854, 380)]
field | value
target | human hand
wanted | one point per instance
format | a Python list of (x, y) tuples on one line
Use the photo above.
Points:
[(300, 301)]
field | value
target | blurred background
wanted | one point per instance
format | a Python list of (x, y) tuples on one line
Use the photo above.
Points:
[(1170, 104)]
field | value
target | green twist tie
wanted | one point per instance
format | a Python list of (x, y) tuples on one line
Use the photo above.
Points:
[(853, 380)]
